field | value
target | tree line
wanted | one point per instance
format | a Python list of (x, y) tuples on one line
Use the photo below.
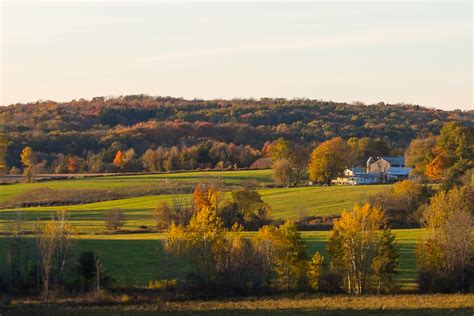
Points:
[(84, 129), (445, 158)]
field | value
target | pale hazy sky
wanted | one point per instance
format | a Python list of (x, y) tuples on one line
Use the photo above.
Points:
[(394, 52)]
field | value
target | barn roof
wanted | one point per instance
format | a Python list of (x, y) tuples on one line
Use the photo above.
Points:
[(398, 170), (397, 161)]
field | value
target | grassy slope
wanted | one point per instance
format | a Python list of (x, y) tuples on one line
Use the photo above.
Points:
[(110, 182), (286, 203), (139, 258)]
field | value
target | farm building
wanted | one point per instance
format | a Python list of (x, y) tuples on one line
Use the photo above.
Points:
[(378, 170), (357, 175)]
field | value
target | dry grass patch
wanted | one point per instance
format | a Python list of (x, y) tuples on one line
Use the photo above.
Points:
[(453, 304)]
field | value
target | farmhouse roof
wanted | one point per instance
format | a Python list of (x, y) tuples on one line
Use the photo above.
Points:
[(357, 170)]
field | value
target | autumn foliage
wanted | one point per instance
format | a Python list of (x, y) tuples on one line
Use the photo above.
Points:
[(329, 160)]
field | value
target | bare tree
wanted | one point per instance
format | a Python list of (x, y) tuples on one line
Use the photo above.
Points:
[(114, 220), (282, 172), (53, 244), (64, 232), (46, 247), (98, 267)]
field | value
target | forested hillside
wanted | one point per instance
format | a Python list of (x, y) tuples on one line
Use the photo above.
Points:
[(85, 136)]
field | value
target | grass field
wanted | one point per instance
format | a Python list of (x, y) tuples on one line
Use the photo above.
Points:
[(286, 203), (440, 304), (113, 182), (135, 259)]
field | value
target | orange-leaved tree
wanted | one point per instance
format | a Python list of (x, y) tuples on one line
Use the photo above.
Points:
[(119, 160), (329, 160)]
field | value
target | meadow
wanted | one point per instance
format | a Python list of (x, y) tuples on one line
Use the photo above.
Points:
[(286, 203), (136, 259), (129, 181)]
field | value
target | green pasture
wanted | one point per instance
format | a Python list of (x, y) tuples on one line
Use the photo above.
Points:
[(286, 203), (116, 182), (136, 259)]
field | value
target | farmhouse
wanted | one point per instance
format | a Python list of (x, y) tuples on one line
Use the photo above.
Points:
[(378, 170), (357, 175)]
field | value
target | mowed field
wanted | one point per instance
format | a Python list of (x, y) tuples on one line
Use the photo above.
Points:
[(286, 203), (136, 259)]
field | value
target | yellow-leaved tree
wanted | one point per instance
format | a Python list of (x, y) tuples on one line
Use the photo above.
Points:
[(315, 270), (3, 153), (358, 246), (281, 256), (264, 243), (445, 258), (28, 159), (200, 238)]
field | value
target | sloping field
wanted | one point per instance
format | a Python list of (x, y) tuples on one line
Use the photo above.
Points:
[(127, 181), (286, 203)]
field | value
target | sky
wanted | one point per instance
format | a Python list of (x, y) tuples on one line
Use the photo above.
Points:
[(393, 52)]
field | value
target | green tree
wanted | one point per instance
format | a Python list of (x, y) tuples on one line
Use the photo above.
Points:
[(362, 148), (454, 154), (290, 162), (90, 273), (386, 262), (419, 154), (290, 259), (245, 207)]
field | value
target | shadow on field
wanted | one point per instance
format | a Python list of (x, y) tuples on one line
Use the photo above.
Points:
[(53, 311)]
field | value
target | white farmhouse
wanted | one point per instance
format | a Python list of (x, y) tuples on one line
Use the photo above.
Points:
[(356, 176)]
